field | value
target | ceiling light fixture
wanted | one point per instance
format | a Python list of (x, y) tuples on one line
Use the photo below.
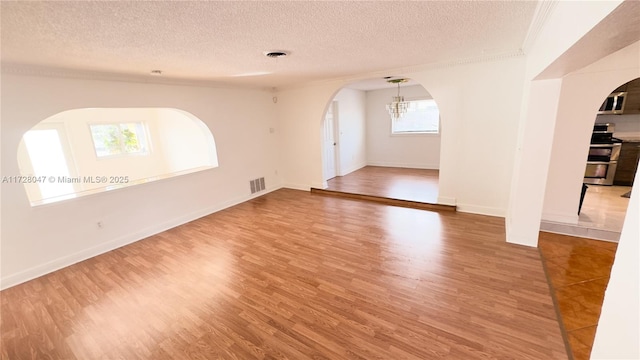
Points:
[(156, 72), (398, 106)]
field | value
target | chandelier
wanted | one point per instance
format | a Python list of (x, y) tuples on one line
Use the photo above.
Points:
[(398, 106)]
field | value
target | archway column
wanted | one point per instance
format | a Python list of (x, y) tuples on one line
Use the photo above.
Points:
[(535, 138)]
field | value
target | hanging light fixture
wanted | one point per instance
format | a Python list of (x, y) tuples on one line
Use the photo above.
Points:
[(398, 106)]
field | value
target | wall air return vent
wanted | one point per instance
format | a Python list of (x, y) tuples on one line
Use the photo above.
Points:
[(257, 185)]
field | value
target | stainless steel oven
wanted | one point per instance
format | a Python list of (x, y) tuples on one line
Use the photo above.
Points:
[(600, 173), (603, 156)]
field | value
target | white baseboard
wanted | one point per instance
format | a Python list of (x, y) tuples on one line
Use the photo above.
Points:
[(403, 165), (297, 187), (518, 240), (318, 185), (481, 210), (560, 217), (517, 237), (443, 200), (62, 262)]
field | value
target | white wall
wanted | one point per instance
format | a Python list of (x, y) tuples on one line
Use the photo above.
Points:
[(300, 112), (479, 106), (618, 333), (581, 96), (39, 240), (351, 130), (185, 144), (420, 151)]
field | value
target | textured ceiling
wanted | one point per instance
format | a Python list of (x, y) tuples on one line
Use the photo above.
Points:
[(223, 42)]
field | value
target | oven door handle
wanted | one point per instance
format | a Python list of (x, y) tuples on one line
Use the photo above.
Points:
[(605, 145)]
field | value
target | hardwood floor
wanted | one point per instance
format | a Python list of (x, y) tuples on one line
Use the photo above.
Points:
[(418, 185), (292, 275), (578, 271)]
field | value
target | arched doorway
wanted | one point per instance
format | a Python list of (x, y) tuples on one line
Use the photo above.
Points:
[(612, 159), (587, 150), (365, 151), (579, 266)]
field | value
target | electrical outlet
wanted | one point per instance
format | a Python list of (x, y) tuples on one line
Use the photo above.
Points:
[(99, 224)]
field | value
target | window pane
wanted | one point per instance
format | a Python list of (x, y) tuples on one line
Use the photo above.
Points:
[(116, 139), (48, 159), (423, 116), (106, 139)]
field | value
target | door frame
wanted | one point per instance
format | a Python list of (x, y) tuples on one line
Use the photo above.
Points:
[(336, 139)]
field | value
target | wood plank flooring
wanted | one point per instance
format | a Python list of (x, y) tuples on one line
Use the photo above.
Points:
[(420, 185), (578, 271), (292, 275)]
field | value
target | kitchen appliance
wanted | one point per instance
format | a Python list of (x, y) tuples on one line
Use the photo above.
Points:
[(602, 160), (614, 104)]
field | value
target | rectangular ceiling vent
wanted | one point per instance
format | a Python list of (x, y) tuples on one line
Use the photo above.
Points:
[(257, 185)]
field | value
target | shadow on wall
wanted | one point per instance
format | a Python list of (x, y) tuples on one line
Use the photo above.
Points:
[(87, 151)]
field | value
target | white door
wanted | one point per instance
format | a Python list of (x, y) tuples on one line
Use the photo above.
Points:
[(329, 145)]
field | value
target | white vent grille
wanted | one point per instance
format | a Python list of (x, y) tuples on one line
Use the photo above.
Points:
[(257, 185)]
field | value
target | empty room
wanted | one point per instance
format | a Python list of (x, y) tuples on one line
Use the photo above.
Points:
[(168, 180)]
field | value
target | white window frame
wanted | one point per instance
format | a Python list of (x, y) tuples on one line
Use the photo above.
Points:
[(414, 133)]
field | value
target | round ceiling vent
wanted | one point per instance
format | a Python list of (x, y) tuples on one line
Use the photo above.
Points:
[(275, 53)]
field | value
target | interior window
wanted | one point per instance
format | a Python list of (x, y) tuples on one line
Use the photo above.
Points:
[(84, 151)]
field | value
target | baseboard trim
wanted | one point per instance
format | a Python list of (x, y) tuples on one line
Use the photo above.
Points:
[(521, 240), (404, 165), (561, 218), (481, 210), (68, 260), (297, 187), (446, 200)]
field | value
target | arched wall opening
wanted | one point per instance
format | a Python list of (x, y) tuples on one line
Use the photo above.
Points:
[(357, 131), (574, 160), (86, 151)]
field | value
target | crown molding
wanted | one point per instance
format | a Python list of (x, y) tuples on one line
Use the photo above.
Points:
[(540, 17), (42, 71)]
